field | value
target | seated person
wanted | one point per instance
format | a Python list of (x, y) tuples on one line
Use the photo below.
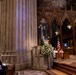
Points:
[(3, 69)]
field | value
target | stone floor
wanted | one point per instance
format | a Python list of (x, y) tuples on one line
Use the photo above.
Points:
[(36, 72), (31, 72)]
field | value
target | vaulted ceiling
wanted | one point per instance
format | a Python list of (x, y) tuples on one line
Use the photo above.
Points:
[(48, 3)]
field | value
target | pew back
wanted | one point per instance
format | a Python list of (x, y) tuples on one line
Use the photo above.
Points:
[(11, 70)]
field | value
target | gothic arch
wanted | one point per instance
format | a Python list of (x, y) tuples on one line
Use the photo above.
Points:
[(66, 16), (54, 18)]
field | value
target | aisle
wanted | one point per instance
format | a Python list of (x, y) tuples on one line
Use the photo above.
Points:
[(31, 72), (36, 72)]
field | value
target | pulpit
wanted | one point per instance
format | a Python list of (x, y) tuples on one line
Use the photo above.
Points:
[(40, 61)]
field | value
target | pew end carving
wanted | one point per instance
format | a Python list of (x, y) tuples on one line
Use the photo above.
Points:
[(11, 70)]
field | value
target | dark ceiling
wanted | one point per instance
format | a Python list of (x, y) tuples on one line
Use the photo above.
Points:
[(71, 3)]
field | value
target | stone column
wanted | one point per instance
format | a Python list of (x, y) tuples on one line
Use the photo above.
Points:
[(0, 24), (19, 28), (31, 24), (7, 25), (26, 28)]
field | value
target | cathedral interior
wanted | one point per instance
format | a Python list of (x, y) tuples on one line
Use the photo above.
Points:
[(26, 26)]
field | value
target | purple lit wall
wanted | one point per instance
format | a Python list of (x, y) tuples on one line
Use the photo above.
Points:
[(20, 25)]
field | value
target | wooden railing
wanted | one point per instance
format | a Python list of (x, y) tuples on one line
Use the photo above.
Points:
[(15, 57), (8, 56)]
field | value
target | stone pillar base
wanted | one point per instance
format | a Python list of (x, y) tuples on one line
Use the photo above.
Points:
[(20, 66)]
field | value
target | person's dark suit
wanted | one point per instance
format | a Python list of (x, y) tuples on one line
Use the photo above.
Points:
[(3, 69)]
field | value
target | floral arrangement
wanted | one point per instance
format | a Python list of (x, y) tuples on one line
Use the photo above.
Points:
[(46, 49)]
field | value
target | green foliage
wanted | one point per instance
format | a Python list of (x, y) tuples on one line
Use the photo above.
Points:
[(46, 49)]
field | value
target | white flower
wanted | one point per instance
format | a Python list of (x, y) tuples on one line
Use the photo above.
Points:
[(46, 49)]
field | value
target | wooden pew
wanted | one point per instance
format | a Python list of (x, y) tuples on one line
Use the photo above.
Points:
[(11, 70), (66, 55), (58, 56)]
